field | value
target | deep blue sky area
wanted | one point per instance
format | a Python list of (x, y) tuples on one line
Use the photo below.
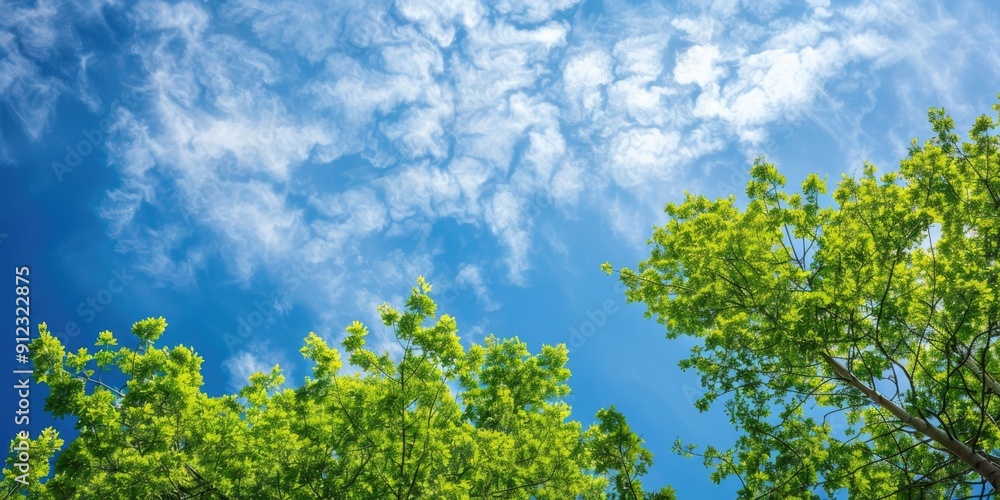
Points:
[(195, 160)]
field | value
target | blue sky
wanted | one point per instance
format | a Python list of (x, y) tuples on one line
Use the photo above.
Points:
[(198, 160)]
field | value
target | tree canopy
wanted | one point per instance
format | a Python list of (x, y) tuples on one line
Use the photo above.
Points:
[(882, 304), (433, 421)]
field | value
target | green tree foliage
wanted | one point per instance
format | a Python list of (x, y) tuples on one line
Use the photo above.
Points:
[(434, 421), (882, 305)]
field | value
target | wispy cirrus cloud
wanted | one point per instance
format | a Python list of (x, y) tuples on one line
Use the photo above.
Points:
[(28, 38), (471, 275), (342, 133), (258, 357), (42, 58)]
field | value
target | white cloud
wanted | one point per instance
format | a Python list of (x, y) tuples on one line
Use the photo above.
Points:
[(472, 334), (940, 46), (339, 128), (698, 65), (356, 94), (627, 223), (642, 154), (185, 19), (472, 176), (35, 28), (584, 76), (165, 266), (637, 96), (532, 11), (640, 56), (570, 181), (219, 125), (422, 189), (500, 60), (312, 29), (257, 358), (220, 140), (257, 219), (505, 216), (697, 30), (780, 81), (725, 8), (28, 39), (360, 210), (438, 18), (470, 275), (422, 131)]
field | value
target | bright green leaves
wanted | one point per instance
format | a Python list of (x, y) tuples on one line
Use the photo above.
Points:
[(944, 126), (419, 302), (606, 268), (27, 480), (47, 355), (765, 182), (427, 421), (134, 430), (105, 357), (356, 334), (326, 359), (78, 360), (106, 338), (149, 329), (503, 379), (389, 315), (618, 453), (800, 303)]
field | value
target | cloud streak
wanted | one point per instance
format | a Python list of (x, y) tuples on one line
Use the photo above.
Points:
[(339, 134)]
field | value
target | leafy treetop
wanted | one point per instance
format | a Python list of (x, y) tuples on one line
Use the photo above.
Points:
[(883, 306), (433, 421)]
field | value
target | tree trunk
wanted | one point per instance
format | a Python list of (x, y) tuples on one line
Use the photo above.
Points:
[(979, 463), (973, 365)]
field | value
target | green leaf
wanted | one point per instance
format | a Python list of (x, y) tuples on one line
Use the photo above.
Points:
[(432, 421), (880, 304)]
